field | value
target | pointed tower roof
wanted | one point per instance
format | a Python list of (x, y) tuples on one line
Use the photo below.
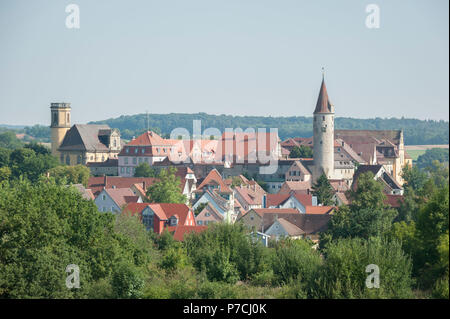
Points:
[(323, 102)]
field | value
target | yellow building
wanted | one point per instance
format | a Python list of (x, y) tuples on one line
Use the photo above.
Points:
[(81, 143)]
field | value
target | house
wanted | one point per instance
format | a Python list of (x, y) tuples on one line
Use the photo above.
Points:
[(295, 200), (115, 199), (394, 201), (296, 186), (297, 172), (254, 217), (108, 167), (250, 196), (179, 232), (209, 215), (261, 237), (160, 216), (188, 182), (296, 225), (97, 184), (225, 207)]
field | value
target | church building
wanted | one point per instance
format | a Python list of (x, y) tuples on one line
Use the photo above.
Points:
[(81, 143)]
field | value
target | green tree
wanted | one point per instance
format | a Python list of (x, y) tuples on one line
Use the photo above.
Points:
[(435, 154), (9, 140), (344, 275), (78, 174), (144, 170), (25, 162), (166, 189), (4, 156), (301, 151), (323, 190), (5, 173)]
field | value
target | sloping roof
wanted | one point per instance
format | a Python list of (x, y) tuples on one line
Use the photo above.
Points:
[(262, 211), (394, 200), (289, 186), (110, 162), (342, 197), (394, 136), (276, 199), (214, 177), (290, 228), (319, 210), (84, 137), (210, 209), (166, 210), (180, 231), (135, 208), (309, 223), (249, 195), (364, 169), (96, 184), (121, 196), (149, 138), (323, 102), (86, 193)]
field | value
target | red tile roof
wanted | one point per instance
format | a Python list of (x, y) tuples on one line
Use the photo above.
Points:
[(263, 211), (323, 102), (394, 200), (319, 210), (214, 177), (135, 208), (96, 184), (180, 231), (166, 210)]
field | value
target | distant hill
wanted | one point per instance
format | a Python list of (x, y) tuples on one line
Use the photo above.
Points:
[(416, 132)]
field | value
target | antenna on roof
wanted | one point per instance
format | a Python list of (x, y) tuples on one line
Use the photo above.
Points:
[(323, 72), (148, 128)]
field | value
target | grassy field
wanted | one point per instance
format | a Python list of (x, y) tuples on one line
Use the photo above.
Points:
[(415, 154)]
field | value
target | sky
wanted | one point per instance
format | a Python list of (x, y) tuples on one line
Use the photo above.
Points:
[(238, 57)]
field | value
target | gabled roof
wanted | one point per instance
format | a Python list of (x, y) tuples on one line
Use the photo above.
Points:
[(308, 223), (323, 102), (180, 231), (121, 196), (289, 186), (149, 138), (276, 199), (84, 137), (210, 209), (86, 193), (214, 178), (290, 228), (135, 208), (262, 211), (166, 210), (96, 184), (394, 200), (319, 210)]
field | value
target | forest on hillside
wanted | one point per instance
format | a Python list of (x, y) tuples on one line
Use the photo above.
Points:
[(416, 132)]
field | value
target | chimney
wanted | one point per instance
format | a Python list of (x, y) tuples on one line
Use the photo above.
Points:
[(143, 185), (104, 180), (264, 201)]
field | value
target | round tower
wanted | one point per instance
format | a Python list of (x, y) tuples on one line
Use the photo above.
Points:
[(323, 127), (60, 124)]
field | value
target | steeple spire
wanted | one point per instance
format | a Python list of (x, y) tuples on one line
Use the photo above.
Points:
[(323, 102)]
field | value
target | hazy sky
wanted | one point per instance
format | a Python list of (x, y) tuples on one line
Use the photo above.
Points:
[(239, 57)]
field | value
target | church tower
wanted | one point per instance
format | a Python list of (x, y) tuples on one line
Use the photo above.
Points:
[(60, 124), (323, 127)]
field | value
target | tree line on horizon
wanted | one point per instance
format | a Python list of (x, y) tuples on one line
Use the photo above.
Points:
[(416, 132)]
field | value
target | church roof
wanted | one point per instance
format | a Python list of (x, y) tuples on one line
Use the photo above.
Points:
[(84, 137), (323, 102)]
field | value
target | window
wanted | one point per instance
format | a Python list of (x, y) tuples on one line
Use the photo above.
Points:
[(127, 150), (143, 150), (136, 150), (115, 143), (68, 118), (122, 169), (128, 170), (207, 214), (103, 197), (134, 160), (199, 222), (126, 160), (68, 160), (79, 159), (140, 160)]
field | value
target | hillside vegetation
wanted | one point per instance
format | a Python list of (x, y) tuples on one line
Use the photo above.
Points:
[(416, 132)]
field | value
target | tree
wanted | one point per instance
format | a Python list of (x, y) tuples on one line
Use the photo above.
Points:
[(343, 274), (323, 190), (144, 170), (435, 154), (9, 140), (5, 173), (301, 152), (4, 156), (37, 242), (368, 194), (38, 148), (78, 174), (167, 189), (24, 162)]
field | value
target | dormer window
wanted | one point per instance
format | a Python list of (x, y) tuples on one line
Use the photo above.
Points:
[(127, 150), (173, 221), (136, 150)]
